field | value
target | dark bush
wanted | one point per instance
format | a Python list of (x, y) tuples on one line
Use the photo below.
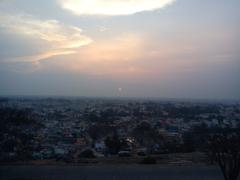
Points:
[(149, 160), (88, 153), (141, 153)]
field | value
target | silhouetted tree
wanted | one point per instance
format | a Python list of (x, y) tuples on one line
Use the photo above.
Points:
[(114, 144), (17, 132), (99, 130), (224, 148), (145, 134), (88, 153), (188, 142)]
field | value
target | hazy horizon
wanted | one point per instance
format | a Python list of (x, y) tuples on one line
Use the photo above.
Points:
[(120, 98), (183, 49)]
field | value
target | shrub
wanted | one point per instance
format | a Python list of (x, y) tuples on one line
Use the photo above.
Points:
[(149, 160), (88, 153)]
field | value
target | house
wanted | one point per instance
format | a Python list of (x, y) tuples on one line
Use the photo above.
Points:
[(99, 146)]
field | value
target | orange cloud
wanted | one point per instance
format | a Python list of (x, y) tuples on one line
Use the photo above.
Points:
[(116, 56)]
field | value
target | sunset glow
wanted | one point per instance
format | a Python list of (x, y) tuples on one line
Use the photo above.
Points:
[(159, 48)]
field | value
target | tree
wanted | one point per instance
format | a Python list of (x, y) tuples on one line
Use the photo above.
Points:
[(115, 144), (188, 145), (88, 153), (99, 130), (146, 135), (224, 148), (17, 132)]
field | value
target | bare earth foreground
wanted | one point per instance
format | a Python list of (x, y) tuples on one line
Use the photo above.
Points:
[(111, 172)]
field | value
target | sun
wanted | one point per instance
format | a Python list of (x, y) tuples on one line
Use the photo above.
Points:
[(120, 90)]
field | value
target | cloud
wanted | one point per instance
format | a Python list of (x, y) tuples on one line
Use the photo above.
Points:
[(38, 57), (112, 7), (60, 39), (125, 47), (116, 57)]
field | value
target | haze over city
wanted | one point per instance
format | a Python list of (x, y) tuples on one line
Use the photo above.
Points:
[(163, 48)]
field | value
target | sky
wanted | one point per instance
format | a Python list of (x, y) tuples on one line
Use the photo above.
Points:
[(120, 48)]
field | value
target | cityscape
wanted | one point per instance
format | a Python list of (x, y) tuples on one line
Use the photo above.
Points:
[(119, 90), (63, 128)]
